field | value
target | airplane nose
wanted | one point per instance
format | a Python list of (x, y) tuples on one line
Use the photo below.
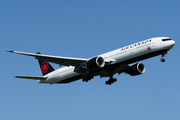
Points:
[(172, 43)]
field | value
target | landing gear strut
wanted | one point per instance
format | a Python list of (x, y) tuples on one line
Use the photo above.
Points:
[(110, 81), (163, 54), (88, 76)]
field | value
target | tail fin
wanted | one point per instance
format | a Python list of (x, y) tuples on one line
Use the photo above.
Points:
[(45, 66)]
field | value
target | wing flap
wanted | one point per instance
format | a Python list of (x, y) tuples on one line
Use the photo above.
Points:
[(66, 61), (32, 77)]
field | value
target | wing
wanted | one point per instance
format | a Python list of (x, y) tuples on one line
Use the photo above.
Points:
[(66, 61)]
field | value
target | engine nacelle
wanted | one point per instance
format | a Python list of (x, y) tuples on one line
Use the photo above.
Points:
[(95, 63), (136, 69)]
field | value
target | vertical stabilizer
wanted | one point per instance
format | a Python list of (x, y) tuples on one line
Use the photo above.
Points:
[(45, 66)]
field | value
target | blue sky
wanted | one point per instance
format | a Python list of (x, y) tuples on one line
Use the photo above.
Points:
[(83, 29)]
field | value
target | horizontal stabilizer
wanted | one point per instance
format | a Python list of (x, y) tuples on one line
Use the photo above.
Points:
[(32, 77)]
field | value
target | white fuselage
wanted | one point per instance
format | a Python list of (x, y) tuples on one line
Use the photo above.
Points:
[(146, 47)]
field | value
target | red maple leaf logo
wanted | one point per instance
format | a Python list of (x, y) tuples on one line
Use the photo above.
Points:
[(149, 48), (44, 67)]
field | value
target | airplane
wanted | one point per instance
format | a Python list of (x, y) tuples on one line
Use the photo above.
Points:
[(122, 60)]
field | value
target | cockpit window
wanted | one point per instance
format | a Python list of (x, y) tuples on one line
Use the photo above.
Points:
[(166, 39)]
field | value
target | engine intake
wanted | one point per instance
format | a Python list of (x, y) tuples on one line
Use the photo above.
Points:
[(95, 63), (136, 69)]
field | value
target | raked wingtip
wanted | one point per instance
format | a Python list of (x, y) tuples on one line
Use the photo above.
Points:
[(10, 51)]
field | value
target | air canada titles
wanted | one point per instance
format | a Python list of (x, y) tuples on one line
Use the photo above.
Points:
[(136, 44)]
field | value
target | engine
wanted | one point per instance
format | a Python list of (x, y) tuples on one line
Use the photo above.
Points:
[(95, 63), (136, 69)]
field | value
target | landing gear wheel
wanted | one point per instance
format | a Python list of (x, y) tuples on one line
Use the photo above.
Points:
[(107, 82), (115, 80), (162, 60), (87, 78), (110, 81)]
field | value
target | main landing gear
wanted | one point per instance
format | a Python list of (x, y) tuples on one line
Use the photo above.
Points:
[(163, 54), (110, 81), (87, 78)]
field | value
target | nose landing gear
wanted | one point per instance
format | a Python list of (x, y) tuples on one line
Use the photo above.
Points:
[(162, 60), (163, 54)]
